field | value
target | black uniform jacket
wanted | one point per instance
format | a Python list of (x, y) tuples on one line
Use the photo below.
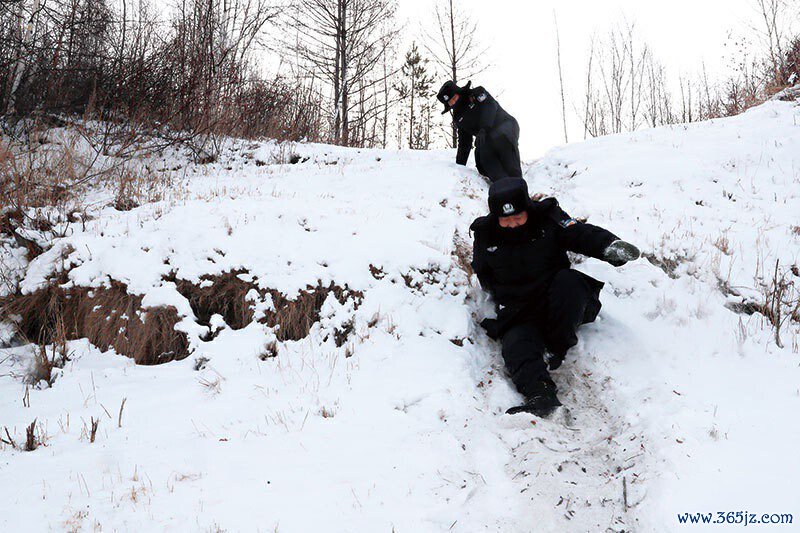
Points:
[(476, 113), (518, 274)]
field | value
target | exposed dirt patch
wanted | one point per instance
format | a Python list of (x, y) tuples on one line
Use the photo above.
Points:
[(233, 297), (462, 253), (416, 278), (668, 265), (225, 294), (111, 317), (746, 307), (294, 318), (108, 317)]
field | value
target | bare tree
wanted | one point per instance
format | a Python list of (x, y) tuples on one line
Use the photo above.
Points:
[(454, 46), (617, 83), (773, 15), (687, 108), (657, 100), (26, 22), (344, 42), (191, 69), (589, 114)]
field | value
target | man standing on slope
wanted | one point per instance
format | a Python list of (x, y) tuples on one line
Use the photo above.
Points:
[(520, 257), (477, 114)]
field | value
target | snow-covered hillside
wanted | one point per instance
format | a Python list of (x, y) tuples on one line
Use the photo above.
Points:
[(388, 414)]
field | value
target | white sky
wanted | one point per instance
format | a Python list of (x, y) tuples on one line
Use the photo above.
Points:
[(521, 35)]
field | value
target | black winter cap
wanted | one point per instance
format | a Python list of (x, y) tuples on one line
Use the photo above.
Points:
[(508, 197), (448, 90)]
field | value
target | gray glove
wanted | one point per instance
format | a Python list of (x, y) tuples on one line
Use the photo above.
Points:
[(620, 252)]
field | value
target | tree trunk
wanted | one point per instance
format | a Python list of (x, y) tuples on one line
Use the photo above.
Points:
[(22, 55), (345, 87), (411, 117), (454, 66), (337, 87)]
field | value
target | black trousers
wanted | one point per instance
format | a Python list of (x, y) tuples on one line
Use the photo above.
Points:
[(497, 152), (525, 342)]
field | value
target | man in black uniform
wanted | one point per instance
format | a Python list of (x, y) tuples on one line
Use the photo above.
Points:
[(520, 257), (477, 114)]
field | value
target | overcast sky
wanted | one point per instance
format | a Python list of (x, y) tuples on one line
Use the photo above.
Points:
[(521, 35)]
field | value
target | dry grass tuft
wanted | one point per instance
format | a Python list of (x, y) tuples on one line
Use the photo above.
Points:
[(31, 440), (108, 317), (39, 176), (377, 272), (225, 295), (667, 264), (343, 332), (781, 300), (135, 185), (416, 278), (43, 364), (270, 351), (294, 318), (462, 253), (723, 244)]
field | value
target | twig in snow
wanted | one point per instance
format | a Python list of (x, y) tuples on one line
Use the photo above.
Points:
[(541, 440), (121, 407), (31, 442), (10, 440), (625, 492), (93, 431)]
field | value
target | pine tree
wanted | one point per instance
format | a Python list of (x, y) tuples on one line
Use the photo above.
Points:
[(415, 90)]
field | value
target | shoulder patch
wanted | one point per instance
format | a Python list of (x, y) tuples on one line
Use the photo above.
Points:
[(556, 214), (567, 222)]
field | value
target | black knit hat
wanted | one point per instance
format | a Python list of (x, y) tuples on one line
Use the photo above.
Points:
[(448, 90), (508, 197)]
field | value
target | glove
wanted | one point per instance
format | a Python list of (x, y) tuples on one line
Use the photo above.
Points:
[(620, 252)]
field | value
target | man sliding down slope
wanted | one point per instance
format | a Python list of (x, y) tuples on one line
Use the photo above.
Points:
[(477, 114), (520, 257)]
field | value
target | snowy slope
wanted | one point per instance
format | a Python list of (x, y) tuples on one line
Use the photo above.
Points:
[(677, 403), (717, 399)]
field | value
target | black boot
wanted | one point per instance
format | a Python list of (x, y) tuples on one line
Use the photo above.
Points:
[(555, 360), (541, 401)]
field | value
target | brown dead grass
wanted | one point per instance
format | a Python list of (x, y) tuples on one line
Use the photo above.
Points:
[(225, 295), (12, 219), (111, 317), (108, 317), (294, 318), (39, 176), (462, 254)]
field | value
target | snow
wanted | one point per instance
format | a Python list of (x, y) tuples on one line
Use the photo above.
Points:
[(676, 403)]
